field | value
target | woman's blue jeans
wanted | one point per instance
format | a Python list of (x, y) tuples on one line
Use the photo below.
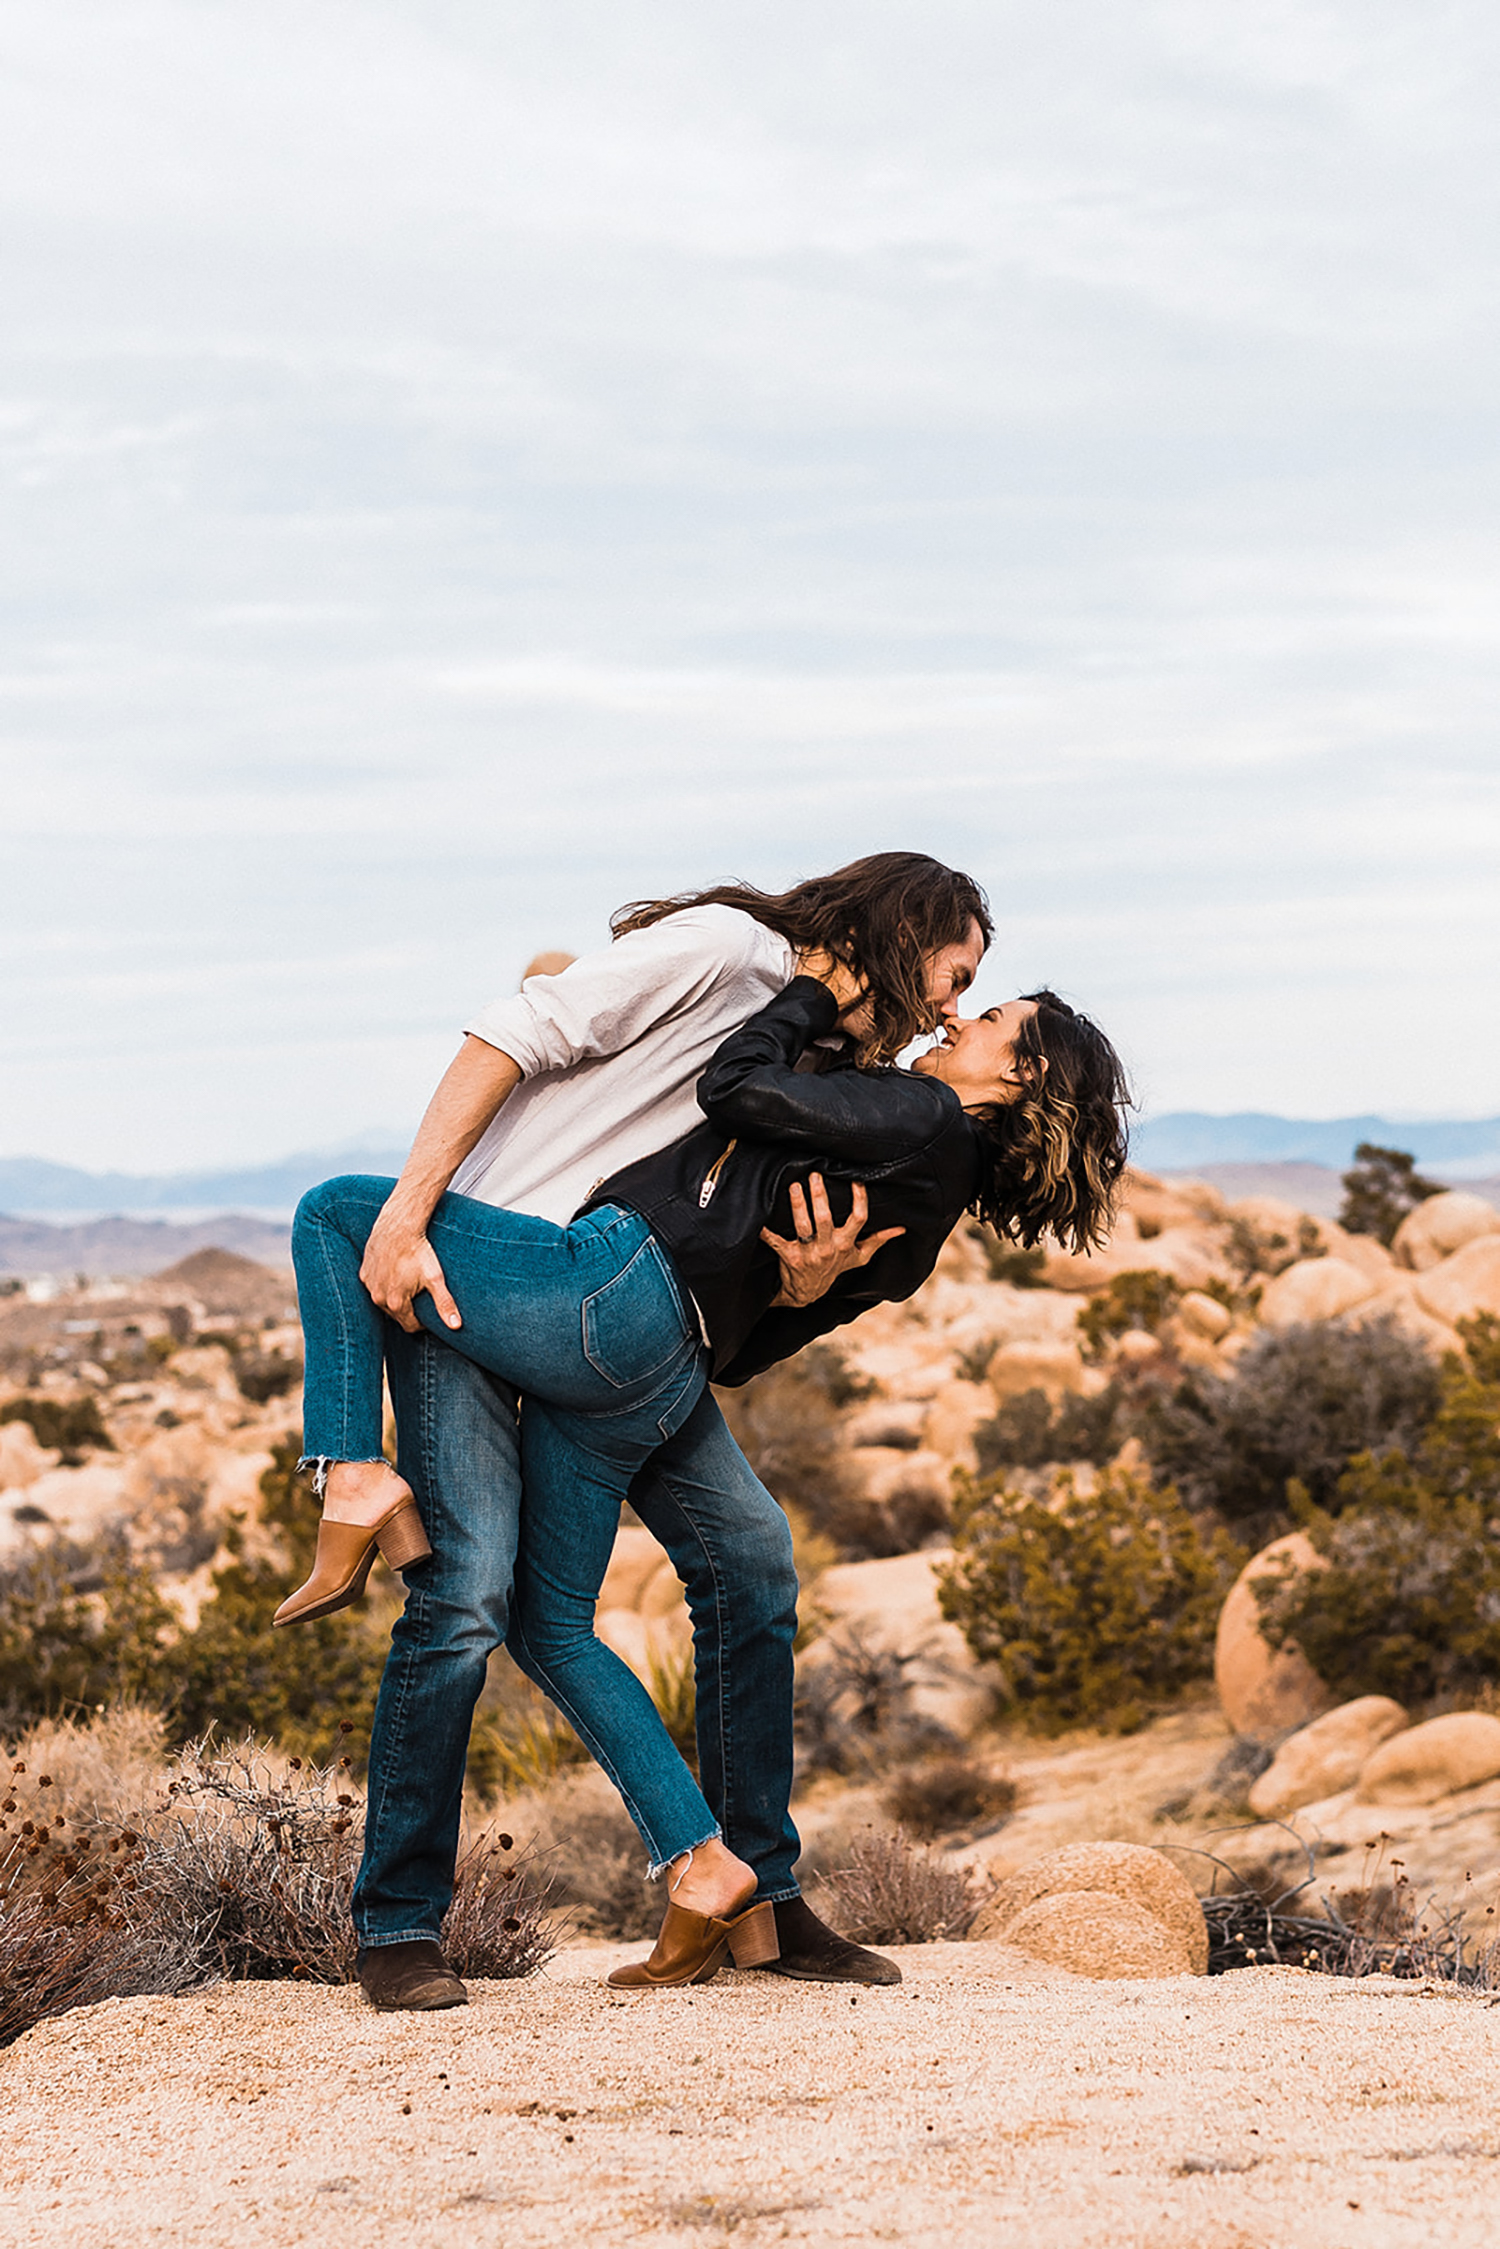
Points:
[(589, 1322)]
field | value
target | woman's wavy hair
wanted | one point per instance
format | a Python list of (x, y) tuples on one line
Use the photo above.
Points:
[(1052, 1160), (882, 916)]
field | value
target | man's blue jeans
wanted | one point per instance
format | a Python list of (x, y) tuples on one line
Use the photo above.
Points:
[(459, 1449)]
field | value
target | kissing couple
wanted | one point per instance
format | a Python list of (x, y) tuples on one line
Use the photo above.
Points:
[(672, 1164)]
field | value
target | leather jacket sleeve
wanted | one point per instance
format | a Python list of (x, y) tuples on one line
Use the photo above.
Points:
[(753, 1089)]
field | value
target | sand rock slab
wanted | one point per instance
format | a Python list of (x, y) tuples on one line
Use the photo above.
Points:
[(1432, 1760), (1326, 1756)]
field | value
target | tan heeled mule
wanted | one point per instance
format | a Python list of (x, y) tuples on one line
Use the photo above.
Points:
[(691, 1947), (345, 1554)]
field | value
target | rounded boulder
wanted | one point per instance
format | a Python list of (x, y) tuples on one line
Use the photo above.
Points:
[(1102, 1909), (1266, 1691), (1433, 1760), (1322, 1758), (1441, 1225), (1465, 1283), (1316, 1288)]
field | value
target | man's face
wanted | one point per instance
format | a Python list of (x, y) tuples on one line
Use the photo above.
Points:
[(951, 971)]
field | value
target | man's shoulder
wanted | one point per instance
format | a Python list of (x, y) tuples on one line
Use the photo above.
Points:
[(727, 936)]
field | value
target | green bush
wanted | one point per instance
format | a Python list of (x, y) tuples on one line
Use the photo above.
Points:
[(1409, 1604), (82, 1626), (1301, 1403), (1142, 1299), (1092, 1608), (1030, 1432), (1381, 1187), (76, 1427)]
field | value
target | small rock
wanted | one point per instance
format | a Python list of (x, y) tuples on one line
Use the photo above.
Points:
[(1056, 1368), (1432, 1760), (1204, 1315), (1441, 1225), (1326, 1756), (1143, 1884), (1265, 1691)]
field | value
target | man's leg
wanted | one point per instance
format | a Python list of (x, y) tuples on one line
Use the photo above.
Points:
[(732, 1548), (458, 1447)]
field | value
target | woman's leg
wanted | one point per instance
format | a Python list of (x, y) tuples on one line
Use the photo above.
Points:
[(574, 1469), (587, 1316)]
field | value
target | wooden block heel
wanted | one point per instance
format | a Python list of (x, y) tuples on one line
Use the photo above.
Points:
[(402, 1539), (753, 1942)]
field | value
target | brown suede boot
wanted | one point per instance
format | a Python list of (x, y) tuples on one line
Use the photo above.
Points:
[(814, 1953), (411, 1975)]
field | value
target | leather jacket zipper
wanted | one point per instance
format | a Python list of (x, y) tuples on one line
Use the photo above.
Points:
[(711, 1177)]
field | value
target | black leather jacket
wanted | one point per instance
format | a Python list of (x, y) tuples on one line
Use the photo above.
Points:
[(708, 1196)]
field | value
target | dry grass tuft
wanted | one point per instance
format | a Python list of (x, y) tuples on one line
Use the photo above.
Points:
[(948, 1793), (891, 1892), (237, 1863)]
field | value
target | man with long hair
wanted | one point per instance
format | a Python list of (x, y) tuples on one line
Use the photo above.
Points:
[(553, 1091)]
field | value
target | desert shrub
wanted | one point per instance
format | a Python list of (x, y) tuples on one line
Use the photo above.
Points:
[(973, 1364), (264, 1375), (240, 1865), (84, 1625), (80, 1625), (1140, 1300), (234, 1671), (1093, 1609), (75, 1427), (889, 1891), (1254, 1251), (948, 1793), (1029, 1431), (1409, 1604), (1022, 1268), (853, 1708), (1381, 1187), (1301, 1403)]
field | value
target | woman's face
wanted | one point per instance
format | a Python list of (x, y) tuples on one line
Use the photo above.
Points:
[(977, 1055)]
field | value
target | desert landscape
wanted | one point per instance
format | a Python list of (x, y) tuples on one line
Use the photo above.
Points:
[(1195, 1912)]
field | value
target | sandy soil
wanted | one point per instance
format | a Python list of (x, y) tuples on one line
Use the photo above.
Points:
[(983, 2101)]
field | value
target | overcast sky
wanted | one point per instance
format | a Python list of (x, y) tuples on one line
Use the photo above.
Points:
[(466, 465)]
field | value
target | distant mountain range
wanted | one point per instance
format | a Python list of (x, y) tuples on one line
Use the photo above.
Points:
[(1187, 1139), (31, 1184)]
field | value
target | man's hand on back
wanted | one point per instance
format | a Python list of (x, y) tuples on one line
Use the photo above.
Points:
[(821, 1251)]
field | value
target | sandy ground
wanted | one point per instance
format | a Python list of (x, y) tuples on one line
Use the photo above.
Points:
[(983, 2101)]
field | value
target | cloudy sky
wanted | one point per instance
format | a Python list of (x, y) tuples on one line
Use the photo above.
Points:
[(470, 462)]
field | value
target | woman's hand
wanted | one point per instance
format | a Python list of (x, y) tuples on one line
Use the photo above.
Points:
[(821, 1251), (848, 988)]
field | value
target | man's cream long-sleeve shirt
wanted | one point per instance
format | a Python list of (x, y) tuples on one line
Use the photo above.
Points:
[(611, 1052)]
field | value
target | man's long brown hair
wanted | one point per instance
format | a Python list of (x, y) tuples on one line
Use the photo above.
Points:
[(882, 916)]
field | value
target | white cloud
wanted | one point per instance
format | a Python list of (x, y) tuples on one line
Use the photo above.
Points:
[(465, 464)]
